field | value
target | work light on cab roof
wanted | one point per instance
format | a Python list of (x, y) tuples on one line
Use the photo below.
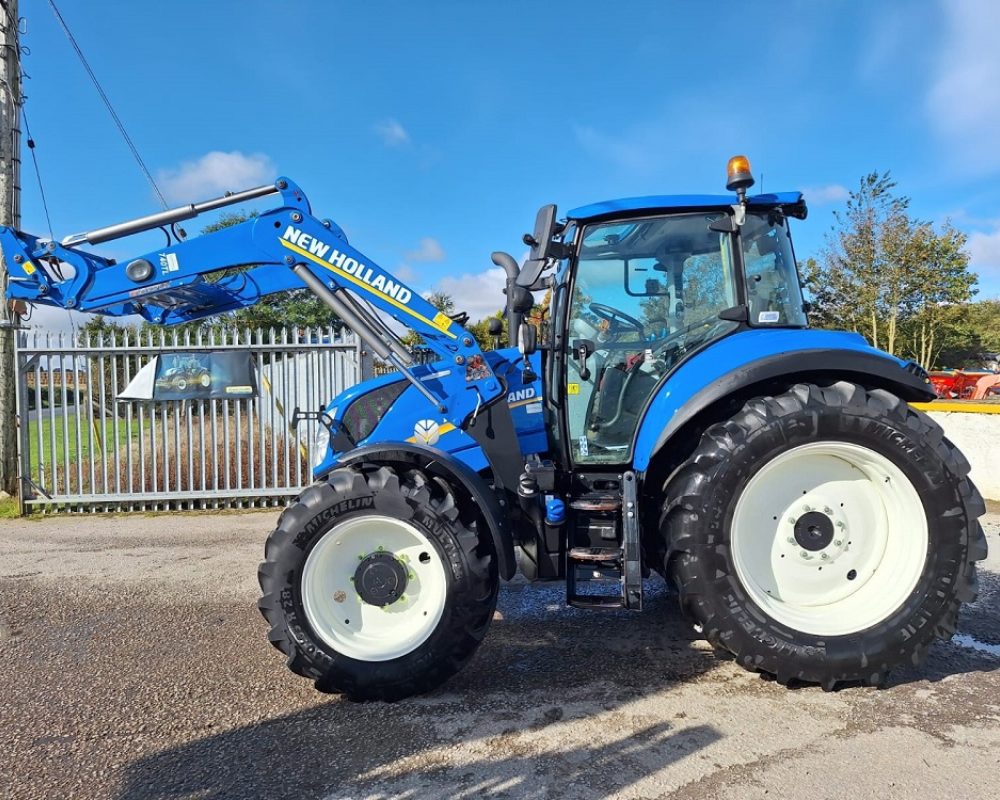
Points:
[(738, 177)]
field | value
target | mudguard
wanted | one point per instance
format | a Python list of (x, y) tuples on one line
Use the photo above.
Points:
[(439, 463), (755, 356)]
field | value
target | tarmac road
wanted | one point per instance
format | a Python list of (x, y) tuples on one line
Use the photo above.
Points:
[(136, 666)]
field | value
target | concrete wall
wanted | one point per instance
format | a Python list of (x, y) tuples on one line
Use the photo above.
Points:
[(977, 435)]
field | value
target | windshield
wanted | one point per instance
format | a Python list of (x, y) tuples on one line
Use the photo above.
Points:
[(773, 289), (645, 293)]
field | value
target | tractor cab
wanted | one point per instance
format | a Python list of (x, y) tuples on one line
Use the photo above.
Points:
[(647, 287)]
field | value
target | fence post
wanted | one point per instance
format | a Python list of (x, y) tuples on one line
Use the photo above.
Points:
[(22, 412)]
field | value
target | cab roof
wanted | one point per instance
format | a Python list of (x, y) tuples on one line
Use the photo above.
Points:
[(676, 202)]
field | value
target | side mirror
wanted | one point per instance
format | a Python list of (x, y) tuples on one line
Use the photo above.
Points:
[(494, 327), (545, 228), (527, 343), (531, 272), (527, 338)]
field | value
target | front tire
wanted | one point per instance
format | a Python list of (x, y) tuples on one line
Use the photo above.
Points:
[(376, 585), (825, 535)]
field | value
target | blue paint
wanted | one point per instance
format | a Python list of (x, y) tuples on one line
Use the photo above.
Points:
[(673, 202), (555, 511), (399, 422), (278, 239), (726, 356)]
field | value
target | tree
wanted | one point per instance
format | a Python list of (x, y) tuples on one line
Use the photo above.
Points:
[(887, 275), (444, 303), (941, 280), (967, 332), (480, 331)]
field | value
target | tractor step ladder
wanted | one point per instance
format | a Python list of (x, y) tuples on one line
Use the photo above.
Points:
[(616, 560)]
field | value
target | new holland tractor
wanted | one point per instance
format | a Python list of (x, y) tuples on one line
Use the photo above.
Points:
[(675, 414)]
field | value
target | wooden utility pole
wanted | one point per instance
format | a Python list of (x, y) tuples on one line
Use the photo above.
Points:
[(10, 215)]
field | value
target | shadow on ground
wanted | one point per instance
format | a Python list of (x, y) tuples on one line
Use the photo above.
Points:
[(542, 666), (514, 723)]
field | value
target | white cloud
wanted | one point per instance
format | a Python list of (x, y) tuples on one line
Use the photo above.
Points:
[(429, 250), (963, 103), (480, 294), (821, 195), (392, 133), (405, 273), (213, 174), (984, 251)]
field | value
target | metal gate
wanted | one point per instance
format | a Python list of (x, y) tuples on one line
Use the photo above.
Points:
[(81, 449)]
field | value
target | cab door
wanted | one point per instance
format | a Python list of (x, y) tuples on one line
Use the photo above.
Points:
[(643, 294)]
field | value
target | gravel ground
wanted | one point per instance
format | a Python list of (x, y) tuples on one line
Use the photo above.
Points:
[(138, 667)]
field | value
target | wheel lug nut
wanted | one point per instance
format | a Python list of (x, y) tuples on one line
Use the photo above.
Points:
[(824, 556), (804, 554), (837, 542), (791, 540), (791, 520), (840, 523), (827, 510), (807, 508)]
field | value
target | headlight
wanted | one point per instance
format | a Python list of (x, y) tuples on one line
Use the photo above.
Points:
[(319, 446)]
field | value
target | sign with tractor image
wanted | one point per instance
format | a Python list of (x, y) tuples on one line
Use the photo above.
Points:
[(216, 375)]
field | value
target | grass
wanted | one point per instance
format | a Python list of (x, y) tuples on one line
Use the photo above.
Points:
[(148, 463), (67, 426), (8, 508)]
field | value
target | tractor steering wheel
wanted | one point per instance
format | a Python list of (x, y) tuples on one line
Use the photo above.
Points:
[(673, 339), (616, 317)]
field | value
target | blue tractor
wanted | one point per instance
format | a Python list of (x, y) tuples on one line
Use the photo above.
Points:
[(673, 413)]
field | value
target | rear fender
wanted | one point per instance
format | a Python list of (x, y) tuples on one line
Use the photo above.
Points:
[(745, 359)]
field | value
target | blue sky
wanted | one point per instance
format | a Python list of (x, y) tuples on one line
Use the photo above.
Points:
[(432, 131)]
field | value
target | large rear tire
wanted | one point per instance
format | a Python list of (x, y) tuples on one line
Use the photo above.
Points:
[(825, 535), (376, 584)]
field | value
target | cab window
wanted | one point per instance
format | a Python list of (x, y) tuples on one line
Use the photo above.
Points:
[(773, 289), (645, 293)]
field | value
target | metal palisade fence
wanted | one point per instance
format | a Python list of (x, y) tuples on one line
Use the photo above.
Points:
[(84, 449)]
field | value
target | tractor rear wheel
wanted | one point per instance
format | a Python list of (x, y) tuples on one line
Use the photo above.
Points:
[(825, 535), (376, 585)]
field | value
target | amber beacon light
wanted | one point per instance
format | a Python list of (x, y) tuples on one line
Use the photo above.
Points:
[(738, 177)]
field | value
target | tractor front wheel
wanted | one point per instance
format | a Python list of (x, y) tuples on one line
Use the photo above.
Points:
[(376, 585), (825, 535)]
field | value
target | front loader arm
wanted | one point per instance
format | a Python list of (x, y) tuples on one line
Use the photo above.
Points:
[(286, 248)]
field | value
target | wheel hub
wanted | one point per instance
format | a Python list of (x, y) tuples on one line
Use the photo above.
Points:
[(813, 531), (380, 579)]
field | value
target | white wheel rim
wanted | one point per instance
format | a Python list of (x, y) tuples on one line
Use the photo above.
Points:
[(357, 629), (869, 567)]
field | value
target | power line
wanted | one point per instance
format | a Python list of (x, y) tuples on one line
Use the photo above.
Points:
[(38, 174), (107, 103)]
